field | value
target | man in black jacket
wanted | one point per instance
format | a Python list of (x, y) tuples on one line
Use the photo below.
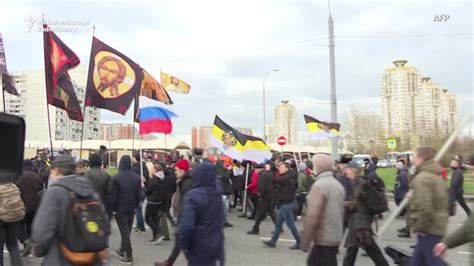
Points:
[(100, 180), (140, 169), (457, 184), (223, 176), (126, 195), (287, 182), (265, 197)]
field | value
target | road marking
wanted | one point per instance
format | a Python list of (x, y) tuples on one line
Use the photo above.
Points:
[(279, 239), (464, 252)]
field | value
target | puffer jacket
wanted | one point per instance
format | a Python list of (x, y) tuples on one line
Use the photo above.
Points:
[(428, 209)]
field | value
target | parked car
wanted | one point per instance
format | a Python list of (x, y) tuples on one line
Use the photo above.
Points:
[(383, 164)]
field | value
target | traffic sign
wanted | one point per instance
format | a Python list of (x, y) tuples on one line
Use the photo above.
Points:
[(281, 140), (392, 143)]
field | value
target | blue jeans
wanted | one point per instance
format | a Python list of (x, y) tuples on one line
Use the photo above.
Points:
[(285, 214), (423, 254), (226, 203), (139, 215)]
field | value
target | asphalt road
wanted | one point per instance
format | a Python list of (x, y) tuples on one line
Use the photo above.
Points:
[(242, 249)]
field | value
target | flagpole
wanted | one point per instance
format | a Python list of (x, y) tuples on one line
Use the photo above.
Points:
[(245, 191), (166, 144), (3, 98), (47, 100)]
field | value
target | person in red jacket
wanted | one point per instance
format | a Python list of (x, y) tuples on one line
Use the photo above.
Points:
[(252, 187)]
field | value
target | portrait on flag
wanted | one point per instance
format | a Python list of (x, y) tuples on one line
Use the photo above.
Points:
[(152, 89), (113, 79)]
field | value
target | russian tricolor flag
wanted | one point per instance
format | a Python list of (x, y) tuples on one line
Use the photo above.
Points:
[(153, 117)]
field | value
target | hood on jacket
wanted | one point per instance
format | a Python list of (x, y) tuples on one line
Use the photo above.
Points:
[(125, 163), (77, 184), (204, 175), (431, 167)]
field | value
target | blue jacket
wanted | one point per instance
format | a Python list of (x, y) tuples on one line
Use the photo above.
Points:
[(200, 232), (457, 181), (126, 188), (401, 184)]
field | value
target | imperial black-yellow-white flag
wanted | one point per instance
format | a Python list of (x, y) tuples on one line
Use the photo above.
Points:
[(320, 129), (236, 145)]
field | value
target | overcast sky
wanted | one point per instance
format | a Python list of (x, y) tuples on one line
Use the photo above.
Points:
[(224, 48)]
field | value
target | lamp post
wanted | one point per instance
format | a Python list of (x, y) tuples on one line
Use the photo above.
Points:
[(264, 78)]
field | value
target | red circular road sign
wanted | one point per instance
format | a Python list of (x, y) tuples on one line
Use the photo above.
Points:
[(281, 140)]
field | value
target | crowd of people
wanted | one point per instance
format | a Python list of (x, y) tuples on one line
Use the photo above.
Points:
[(189, 201)]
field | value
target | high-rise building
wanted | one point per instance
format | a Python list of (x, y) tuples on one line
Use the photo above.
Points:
[(415, 105), (200, 136), (31, 105), (270, 131), (117, 131), (285, 122), (399, 85)]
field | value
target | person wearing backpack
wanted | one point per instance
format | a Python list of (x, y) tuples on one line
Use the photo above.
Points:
[(305, 182), (71, 226), (361, 215)]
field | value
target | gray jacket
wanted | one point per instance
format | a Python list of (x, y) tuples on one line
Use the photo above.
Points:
[(49, 222), (323, 222)]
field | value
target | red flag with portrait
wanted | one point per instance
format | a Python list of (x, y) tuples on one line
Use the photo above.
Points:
[(113, 79), (58, 59)]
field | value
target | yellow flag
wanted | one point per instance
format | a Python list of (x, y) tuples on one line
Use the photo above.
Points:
[(172, 83)]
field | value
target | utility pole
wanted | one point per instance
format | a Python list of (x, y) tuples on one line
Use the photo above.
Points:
[(332, 70)]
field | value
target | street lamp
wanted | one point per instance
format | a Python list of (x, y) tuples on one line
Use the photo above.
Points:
[(264, 78)]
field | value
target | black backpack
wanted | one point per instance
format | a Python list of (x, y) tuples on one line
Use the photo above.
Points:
[(310, 179), (376, 200), (85, 237)]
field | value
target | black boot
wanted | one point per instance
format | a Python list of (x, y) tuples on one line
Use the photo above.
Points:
[(254, 231)]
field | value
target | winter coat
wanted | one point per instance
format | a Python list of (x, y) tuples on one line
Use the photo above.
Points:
[(49, 223), (30, 185), (428, 211), (401, 184), (457, 181), (126, 188), (137, 170), (265, 185), (323, 222), (224, 178), (253, 185), (169, 187), (287, 184), (101, 183), (462, 235), (360, 221), (302, 179), (184, 186), (154, 191), (200, 232)]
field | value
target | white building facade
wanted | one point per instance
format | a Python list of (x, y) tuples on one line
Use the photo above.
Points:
[(31, 105), (285, 122)]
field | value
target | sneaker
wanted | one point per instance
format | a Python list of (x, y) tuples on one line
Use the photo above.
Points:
[(167, 238), (404, 234), (228, 225), (119, 254), (140, 230), (153, 239), (158, 240), (404, 229), (26, 251), (127, 260), (164, 263), (295, 247), (253, 232), (268, 244)]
